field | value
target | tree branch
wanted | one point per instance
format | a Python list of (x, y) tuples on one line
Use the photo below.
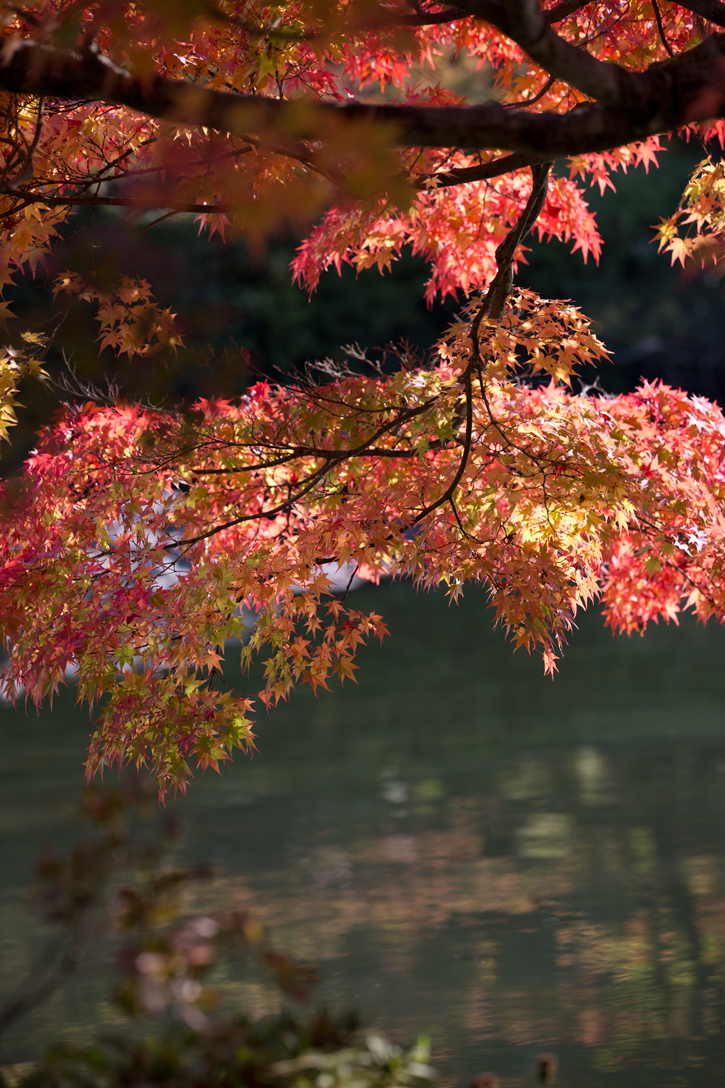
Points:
[(146, 203), (499, 289), (712, 10), (462, 175), (525, 23), (672, 93), (562, 11), (465, 455), (489, 10), (429, 18), (661, 27)]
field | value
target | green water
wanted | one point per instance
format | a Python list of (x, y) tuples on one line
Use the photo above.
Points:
[(463, 846)]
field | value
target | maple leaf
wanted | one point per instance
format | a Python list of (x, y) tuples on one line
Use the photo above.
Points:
[(135, 541)]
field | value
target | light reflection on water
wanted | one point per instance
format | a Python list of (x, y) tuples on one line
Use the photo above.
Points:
[(463, 846)]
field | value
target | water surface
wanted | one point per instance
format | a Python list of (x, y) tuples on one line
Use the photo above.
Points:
[(464, 847)]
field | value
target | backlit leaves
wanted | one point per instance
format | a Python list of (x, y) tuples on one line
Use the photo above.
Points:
[(141, 543), (138, 546)]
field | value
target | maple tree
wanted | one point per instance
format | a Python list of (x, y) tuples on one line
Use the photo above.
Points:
[(134, 538)]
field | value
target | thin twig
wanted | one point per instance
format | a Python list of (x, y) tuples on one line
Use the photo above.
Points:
[(500, 287), (660, 27), (468, 435)]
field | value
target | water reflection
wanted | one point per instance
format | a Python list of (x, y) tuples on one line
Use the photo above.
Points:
[(467, 848)]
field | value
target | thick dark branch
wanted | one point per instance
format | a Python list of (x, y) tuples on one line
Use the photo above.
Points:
[(489, 10), (152, 203), (462, 175), (442, 179), (499, 289), (712, 10), (562, 11), (429, 18), (673, 93), (525, 23), (661, 27)]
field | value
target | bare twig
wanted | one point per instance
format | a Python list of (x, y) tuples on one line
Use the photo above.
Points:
[(495, 298), (660, 27), (450, 491)]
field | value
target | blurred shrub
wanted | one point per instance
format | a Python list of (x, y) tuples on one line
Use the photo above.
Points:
[(166, 959), (278, 1052)]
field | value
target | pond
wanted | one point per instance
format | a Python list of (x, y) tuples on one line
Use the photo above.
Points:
[(466, 848)]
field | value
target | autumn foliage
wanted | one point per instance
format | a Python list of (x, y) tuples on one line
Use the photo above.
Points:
[(137, 542)]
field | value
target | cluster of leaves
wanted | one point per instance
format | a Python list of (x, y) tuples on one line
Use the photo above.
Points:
[(283, 1051), (451, 204), (14, 366), (130, 321), (137, 542), (458, 232), (694, 232)]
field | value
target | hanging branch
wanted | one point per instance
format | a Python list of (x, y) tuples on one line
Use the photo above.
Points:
[(493, 304), (500, 287)]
